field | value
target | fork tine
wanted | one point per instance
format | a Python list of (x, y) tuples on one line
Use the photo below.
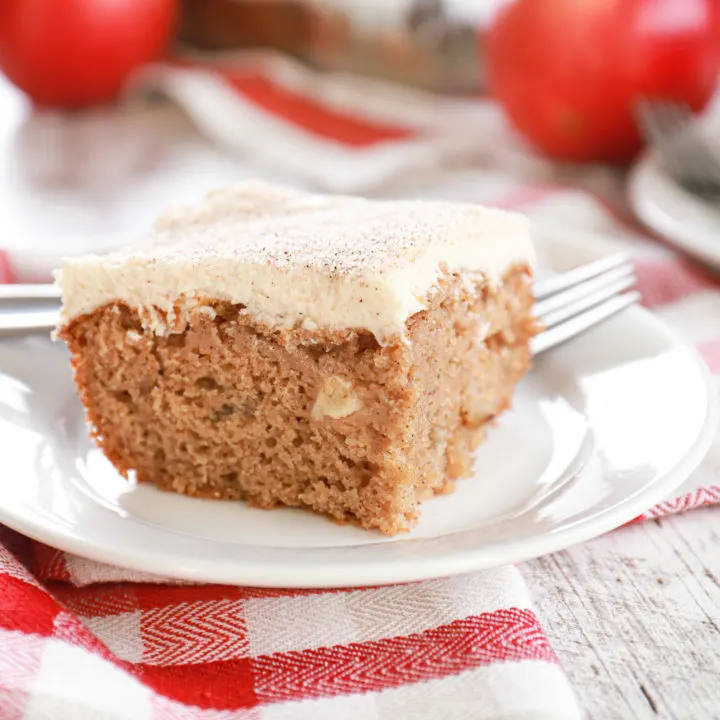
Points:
[(672, 129), (647, 119), (29, 291), (585, 320), (585, 302), (690, 140), (563, 281), (661, 128), (623, 274), (652, 120), (662, 122)]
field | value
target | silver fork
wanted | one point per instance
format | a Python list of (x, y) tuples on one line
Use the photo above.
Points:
[(572, 302), (28, 308), (567, 304), (672, 130)]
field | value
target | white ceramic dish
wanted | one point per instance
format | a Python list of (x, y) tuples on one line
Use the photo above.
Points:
[(683, 219), (603, 428)]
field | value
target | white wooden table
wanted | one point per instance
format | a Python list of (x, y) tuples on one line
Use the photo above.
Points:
[(634, 617)]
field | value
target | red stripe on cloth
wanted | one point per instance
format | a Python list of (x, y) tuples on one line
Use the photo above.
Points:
[(527, 195), (710, 352), (664, 281), (151, 596), (260, 593), (30, 609), (690, 501), (221, 686), (16, 552), (49, 563), (166, 597), (500, 636), (192, 633), (26, 607), (95, 601), (622, 216), (310, 115), (7, 275)]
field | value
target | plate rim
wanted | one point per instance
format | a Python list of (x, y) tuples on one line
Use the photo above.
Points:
[(657, 219), (336, 574)]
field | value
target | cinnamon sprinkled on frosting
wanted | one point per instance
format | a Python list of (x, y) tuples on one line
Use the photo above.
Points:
[(297, 258)]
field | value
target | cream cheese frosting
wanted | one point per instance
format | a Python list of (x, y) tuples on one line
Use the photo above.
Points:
[(294, 258)]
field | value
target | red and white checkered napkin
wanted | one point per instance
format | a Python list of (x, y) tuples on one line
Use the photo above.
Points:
[(79, 639)]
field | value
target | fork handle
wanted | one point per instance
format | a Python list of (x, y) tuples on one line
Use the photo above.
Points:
[(22, 322), (29, 291)]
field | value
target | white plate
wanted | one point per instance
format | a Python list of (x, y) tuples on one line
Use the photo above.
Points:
[(602, 429), (683, 219)]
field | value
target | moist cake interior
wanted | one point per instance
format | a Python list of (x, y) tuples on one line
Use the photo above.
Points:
[(210, 394), (228, 408)]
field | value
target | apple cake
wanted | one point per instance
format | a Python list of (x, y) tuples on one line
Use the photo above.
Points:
[(284, 348)]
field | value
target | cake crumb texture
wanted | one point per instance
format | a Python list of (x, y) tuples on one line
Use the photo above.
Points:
[(227, 406)]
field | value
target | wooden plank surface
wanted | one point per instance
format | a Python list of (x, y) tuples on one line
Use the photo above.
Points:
[(634, 617)]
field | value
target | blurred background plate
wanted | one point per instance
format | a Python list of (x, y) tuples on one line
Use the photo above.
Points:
[(685, 220)]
